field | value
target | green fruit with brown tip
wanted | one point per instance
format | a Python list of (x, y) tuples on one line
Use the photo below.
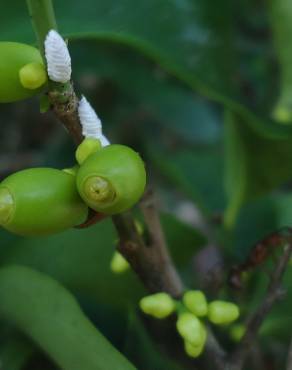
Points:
[(111, 180), (14, 57), (40, 201)]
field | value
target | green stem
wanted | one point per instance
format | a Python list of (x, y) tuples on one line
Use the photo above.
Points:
[(43, 20)]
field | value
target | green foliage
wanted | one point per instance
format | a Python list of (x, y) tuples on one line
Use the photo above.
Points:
[(68, 336), (192, 86)]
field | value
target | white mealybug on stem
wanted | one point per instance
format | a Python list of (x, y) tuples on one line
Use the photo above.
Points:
[(91, 124), (57, 57)]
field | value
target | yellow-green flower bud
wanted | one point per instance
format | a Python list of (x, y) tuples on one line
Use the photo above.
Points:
[(17, 83), (196, 302), (86, 148), (159, 305), (236, 332), (33, 75), (119, 264), (139, 227), (190, 328), (221, 312), (196, 351)]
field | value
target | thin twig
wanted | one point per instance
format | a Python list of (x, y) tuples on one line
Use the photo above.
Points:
[(274, 293), (289, 358)]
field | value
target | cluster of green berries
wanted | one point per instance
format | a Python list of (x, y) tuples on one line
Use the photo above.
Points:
[(191, 311), (42, 201)]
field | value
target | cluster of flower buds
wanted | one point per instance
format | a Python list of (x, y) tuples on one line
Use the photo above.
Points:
[(191, 311)]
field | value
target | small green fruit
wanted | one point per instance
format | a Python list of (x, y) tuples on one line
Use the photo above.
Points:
[(159, 305), (190, 328), (111, 180), (19, 72), (33, 75), (221, 312), (119, 264), (237, 331), (40, 201), (196, 302), (86, 148)]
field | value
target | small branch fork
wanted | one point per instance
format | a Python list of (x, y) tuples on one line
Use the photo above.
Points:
[(274, 293)]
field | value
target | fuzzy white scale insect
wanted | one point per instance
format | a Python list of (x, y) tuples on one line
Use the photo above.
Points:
[(57, 57), (91, 124)]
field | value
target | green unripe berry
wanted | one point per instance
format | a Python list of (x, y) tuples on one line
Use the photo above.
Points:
[(196, 302), (40, 201), (14, 57), (221, 312), (196, 351), (111, 180), (33, 75), (119, 264), (159, 305), (190, 328), (86, 148)]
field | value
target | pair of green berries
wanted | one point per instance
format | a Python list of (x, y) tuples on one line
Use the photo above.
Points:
[(190, 311), (43, 201)]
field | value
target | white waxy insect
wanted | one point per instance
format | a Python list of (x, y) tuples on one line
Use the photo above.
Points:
[(57, 57), (91, 124)]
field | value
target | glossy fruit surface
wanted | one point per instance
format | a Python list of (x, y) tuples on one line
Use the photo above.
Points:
[(13, 57), (111, 180), (40, 201)]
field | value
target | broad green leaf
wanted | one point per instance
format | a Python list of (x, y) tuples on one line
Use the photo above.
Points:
[(281, 16), (79, 259), (43, 309), (192, 41), (198, 173), (160, 100), (255, 164)]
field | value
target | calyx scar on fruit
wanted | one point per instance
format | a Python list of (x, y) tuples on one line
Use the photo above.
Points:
[(40, 201)]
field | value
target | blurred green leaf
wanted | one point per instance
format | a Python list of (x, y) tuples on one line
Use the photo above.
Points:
[(152, 92), (255, 164), (80, 259), (183, 240), (197, 173), (280, 16), (44, 310)]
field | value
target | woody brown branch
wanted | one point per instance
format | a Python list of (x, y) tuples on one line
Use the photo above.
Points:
[(274, 293)]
